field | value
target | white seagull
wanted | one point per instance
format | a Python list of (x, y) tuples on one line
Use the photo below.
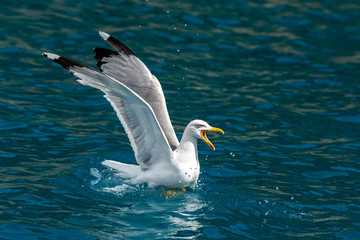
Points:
[(137, 97)]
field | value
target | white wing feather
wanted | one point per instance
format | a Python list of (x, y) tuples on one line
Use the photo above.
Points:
[(145, 134), (127, 68)]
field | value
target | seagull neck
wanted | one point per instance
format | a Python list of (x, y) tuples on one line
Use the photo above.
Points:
[(188, 143)]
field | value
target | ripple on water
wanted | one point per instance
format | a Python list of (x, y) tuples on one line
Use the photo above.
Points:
[(282, 76), (324, 174), (348, 119), (11, 125), (24, 231)]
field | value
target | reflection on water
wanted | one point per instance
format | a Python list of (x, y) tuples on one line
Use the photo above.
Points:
[(180, 213)]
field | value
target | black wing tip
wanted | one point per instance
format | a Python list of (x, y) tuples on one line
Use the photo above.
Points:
[(103, 52), (64, 62), (100, 53), (119, 46)]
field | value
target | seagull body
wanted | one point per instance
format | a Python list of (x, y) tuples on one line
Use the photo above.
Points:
[(138, 100)]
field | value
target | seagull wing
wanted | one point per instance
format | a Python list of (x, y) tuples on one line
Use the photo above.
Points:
[(127, 68), (146, 136)]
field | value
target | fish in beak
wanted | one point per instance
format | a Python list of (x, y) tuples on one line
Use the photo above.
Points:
[(203, 135)]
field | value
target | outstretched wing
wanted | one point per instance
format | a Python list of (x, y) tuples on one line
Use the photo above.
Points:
[(146, 136), (127, 68)]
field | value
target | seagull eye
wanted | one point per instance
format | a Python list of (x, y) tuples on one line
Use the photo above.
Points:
[(200, 125)]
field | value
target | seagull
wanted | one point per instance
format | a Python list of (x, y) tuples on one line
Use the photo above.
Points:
[(138, 100)]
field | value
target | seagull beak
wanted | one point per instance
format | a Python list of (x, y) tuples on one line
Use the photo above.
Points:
[(203, 135)]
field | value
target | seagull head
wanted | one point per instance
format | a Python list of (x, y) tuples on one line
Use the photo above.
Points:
[(199, 129)]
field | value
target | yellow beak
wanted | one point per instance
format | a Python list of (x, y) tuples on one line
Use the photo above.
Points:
[(203, 135)]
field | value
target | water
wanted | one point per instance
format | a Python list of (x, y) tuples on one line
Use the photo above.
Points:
[(280, 77)]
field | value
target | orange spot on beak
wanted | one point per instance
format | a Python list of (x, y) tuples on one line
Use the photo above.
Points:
[(203, 135)]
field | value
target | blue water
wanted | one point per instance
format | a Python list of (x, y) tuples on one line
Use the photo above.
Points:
[(281, 78)]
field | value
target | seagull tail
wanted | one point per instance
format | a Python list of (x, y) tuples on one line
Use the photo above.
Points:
[(125, 170)]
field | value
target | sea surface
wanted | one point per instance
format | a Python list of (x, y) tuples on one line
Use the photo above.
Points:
[(281, 78)]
